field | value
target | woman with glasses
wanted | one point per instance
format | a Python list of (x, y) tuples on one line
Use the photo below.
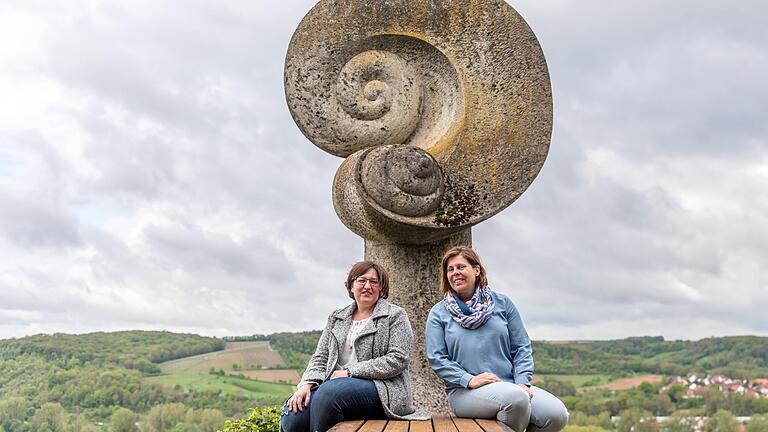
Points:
[(360, 367), (477, 344)]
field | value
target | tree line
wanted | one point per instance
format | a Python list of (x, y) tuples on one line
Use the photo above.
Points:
[(66, 383), (743, 357)]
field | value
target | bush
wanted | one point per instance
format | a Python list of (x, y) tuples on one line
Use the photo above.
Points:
[(162, 418), (721, 421), (263, 419), (123, 420), (13, 413), (49, 418), (635, 420), (758, 423), (678, 424), (203, 420), (584, 429), (602, 420), (559, 388)]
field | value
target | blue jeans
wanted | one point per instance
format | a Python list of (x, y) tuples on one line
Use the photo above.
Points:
[(332, 402), (510, 404)]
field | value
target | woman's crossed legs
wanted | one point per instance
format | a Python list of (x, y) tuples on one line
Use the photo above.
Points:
[(332, 402), (510, 404)]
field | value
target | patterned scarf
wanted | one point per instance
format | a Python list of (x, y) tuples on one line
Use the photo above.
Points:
[(480, 307)]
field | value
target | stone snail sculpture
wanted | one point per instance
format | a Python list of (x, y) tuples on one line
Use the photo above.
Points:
[(441, 109)]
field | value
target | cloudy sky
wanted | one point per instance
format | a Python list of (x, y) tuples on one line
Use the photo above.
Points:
[(151, 176)]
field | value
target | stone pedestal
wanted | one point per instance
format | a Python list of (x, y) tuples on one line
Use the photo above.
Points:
[(415, 285)]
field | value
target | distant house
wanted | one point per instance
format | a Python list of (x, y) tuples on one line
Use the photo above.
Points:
[(697, 385)]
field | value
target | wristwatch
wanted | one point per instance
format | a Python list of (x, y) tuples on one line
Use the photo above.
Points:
[(349, 374)]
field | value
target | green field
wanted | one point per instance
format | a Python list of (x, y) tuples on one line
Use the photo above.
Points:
[(579, 380), (192, 373), (247, 355), (226, 385)]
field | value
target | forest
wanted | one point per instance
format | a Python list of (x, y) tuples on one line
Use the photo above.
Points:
[(735, 356), (86, 382)]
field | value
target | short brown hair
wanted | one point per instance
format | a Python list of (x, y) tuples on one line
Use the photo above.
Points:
[(474, 260), (360, 268)]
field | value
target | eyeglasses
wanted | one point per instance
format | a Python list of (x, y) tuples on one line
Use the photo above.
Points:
[(362, 281)]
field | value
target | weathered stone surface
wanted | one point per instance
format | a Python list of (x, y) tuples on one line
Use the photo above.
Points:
[(414, 284), (375, 191), (403, 179), (464, 80), (443, 111)]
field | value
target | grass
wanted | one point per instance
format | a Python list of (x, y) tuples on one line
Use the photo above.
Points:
[(192, 373), (225, 384), (665, 355), (598, 381), (288, 376), (580, 380), (631, 381), (247, 355)]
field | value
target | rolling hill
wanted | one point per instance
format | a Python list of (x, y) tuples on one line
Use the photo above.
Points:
[(87, 378)]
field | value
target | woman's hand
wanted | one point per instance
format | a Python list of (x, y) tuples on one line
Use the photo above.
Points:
[(300, 399), (527, 390), (340, 374), (482, 379)]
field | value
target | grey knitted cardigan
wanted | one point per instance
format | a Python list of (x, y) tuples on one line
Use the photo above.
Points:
[(383, 349)]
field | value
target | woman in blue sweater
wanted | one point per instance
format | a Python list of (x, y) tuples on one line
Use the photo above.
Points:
[(477, 344)]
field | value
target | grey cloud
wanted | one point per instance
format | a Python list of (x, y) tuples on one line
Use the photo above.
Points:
[(169, 71), (196, 250), (31, 290), (115, 262), (31, 222), (328, 241), (184, 120), (655, 77), (134, 167)]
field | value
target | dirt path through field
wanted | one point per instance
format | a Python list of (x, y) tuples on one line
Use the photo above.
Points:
[(289, 376), (627, 383)]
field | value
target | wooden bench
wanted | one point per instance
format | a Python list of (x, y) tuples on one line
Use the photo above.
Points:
[(438, 423)]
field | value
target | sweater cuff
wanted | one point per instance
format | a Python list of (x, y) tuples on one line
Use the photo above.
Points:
[(303, 383), (354, 371), (465, 380), (522, 379)]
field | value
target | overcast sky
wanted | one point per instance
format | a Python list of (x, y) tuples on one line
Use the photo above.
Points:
[(151, 176)]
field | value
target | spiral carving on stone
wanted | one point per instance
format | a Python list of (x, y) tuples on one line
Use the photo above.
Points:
[(443, 110), (389, 89), (402, 179), (379, 98), (370, 82)]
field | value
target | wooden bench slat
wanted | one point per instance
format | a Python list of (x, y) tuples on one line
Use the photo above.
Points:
[(439, 423), (466, 425), (373, 426), (443, 423), (397, 426), (347, 426), (489, 425), (421, 426)]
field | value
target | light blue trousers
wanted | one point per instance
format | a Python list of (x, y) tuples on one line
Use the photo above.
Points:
[(510, 404)]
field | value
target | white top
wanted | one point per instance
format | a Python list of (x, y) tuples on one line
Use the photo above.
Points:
[(347, 356)]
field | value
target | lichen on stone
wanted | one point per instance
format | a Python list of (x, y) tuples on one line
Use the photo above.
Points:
[(459, 204)]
